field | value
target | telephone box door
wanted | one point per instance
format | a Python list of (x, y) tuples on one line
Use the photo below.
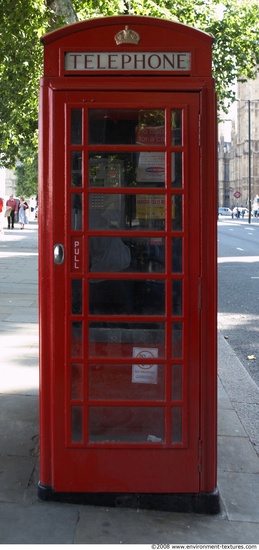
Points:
[(126, 238)]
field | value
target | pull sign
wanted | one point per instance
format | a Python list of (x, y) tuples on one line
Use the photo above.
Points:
[(76, 254), (59, 254)]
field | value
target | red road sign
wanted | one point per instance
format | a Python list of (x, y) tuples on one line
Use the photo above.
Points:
[(237, 194)]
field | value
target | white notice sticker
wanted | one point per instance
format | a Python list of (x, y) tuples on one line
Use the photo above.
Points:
[(145, 373)]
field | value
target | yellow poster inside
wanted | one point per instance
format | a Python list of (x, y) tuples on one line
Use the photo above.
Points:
[(152, 207)]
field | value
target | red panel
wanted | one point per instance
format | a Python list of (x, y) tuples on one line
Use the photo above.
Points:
[(156, 34)]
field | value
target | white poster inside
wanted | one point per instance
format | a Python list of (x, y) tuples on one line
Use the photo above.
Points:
[(144, 373)]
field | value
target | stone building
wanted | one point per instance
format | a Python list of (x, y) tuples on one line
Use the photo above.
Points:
[(7, 183), (238, 156)]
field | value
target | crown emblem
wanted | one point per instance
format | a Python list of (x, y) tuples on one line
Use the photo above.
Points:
[(127, 36)]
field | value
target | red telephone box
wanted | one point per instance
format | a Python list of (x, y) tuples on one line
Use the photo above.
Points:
[(128, 213)]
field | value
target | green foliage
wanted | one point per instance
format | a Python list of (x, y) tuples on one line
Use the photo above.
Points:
[(22, 22), (26, 172)]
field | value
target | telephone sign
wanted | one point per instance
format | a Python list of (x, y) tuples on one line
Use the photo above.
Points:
[(128, 148)]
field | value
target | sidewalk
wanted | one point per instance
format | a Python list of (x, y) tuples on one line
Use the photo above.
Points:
[(26, 520)]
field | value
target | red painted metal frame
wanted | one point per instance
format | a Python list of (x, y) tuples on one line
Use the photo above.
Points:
[(56, 90)]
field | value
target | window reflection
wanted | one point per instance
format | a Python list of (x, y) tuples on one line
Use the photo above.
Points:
[(76, 381), (134, 211), (76, 294), (76, 339), (177, 382), (128, 169), (126, 126), (177, 255), (76, 168), (110, 339), (76, 126), (76, 211), (177, 170), (177, 298), (126, 297), (176, 118), (77, 424), (177, 425), (115, 382), (177, 214), (107, 171), (177, 340), (131, 254), (127, 424)]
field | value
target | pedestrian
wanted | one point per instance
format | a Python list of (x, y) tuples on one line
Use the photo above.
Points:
[(1, 216), (23, 218), (32, 206), (11, 203)]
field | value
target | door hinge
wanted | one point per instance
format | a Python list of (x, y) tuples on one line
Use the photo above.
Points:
[(199, 455)]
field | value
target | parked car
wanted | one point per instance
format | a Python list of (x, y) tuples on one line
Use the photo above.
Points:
[(224, 211)]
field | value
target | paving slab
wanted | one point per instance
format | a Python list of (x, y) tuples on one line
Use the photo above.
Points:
[(19, 426), (117, 526), (15, 474), (236, 454), (229, 423), (240, 497), (46, 523)]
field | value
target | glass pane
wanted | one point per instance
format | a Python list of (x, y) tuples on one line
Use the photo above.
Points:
[(150, 211), (177, 212), (177, 260), (126, 424), (106, 212), (76, 339), (110, 297), (126, 127), (176, 118), (76, 381), (151, 168), (177, 343), (108, 169), (126, 339), (120, 382), (76, 168), (177, 382), (151, 128), (177, 297), (139, 254), (76, 126), (177, 425), (128, 169), (76, 291), (76, 211), (127, 297), (77, 424), (117, 211), (177, 180)]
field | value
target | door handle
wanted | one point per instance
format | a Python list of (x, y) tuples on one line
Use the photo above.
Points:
[(59, 254)]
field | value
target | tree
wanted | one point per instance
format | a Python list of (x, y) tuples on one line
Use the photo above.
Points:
[(22, 22), (26, 172)]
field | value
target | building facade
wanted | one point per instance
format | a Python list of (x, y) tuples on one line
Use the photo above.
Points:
[(7, 183), (238, 155)]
